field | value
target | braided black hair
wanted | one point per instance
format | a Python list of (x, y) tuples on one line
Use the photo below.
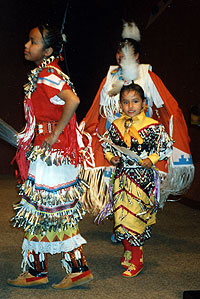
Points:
[(52, 37)]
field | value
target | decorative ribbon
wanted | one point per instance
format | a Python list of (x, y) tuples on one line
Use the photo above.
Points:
[(131, 131)]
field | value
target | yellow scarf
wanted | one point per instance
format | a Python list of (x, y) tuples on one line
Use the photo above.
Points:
[(130, 130)]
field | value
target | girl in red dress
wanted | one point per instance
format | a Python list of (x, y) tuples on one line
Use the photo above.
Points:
[(48, 158)]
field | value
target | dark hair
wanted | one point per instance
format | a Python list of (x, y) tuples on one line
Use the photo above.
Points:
[(132, 42), (129, 41), (52, 37), (132, 87)]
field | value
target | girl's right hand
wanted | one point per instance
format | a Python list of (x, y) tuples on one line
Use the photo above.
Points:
[(49, 141), (146, 163), (115, 160)]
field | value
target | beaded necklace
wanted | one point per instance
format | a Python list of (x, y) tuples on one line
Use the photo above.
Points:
[(31, 86)]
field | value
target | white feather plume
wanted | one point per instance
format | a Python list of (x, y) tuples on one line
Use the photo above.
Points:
[(129, 64), (130, 30)]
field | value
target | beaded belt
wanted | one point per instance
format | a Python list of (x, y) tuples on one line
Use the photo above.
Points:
[(45, 127)]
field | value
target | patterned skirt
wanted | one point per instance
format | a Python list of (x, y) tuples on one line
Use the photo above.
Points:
[(50, 208), (134, 208)]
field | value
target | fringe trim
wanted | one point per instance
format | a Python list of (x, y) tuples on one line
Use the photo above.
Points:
[(177, 181), (109, 109), (94, 199), (39, 212), (53, 157)]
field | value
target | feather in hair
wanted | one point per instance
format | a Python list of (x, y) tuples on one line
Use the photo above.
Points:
[(129, 64), (130, 30)]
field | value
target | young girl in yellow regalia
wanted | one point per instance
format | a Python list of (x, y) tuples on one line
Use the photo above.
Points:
[(136, 182)]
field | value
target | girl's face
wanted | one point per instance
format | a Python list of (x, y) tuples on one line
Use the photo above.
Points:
[(131, 103), (34, 48)]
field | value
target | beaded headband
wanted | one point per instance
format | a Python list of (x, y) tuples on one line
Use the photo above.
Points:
[(126, 82)]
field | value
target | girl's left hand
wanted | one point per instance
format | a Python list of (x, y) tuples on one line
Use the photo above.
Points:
[(146, 163)]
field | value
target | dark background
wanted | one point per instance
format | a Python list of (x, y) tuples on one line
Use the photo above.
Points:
[(170, 44)]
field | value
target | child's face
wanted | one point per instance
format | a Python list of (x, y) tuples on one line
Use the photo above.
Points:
[(34, 48), (131, 103)]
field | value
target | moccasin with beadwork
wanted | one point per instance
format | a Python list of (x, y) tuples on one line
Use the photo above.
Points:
[(126, 259), (133, 270), (26, 280), (73, 280)]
